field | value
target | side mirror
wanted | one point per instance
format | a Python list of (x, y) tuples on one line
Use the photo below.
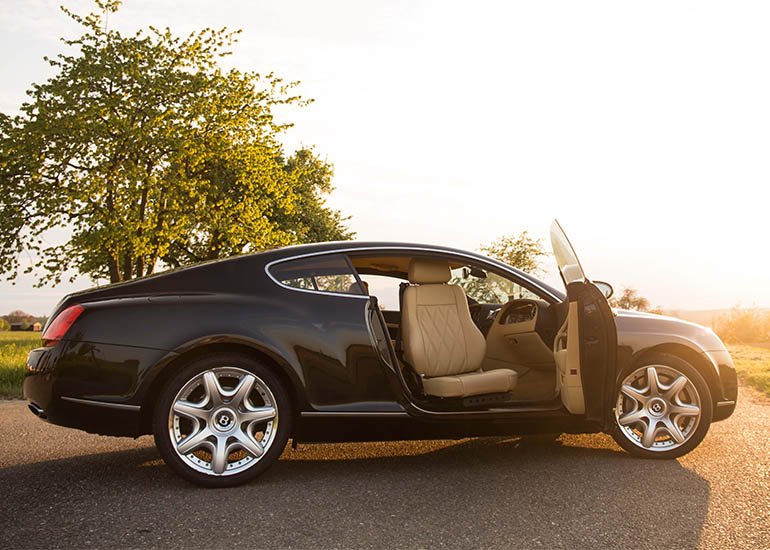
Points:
[(605, 288)]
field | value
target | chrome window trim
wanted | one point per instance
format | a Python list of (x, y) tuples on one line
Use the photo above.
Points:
[(119, 406), (499, 264)]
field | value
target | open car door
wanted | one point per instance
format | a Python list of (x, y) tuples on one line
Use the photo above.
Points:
[(585, 349)]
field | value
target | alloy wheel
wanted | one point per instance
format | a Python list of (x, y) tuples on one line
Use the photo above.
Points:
[(658, 408), (223, 421)]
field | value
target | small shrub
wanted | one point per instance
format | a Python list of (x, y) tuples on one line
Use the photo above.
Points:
[(744, 325)]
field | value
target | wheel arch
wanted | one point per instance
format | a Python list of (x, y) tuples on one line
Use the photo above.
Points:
[(696, 358), (171, 367)]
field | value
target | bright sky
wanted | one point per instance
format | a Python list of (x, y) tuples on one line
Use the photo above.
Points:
[(641, 126)]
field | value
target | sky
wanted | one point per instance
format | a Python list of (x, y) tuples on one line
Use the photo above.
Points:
[(642, 126)]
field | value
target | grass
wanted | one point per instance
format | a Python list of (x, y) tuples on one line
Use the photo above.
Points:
[(752, 362), (14, 347)]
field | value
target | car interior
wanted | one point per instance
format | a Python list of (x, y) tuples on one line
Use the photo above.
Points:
[(467, 337)]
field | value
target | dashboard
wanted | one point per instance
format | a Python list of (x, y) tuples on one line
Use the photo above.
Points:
[(517, 316)]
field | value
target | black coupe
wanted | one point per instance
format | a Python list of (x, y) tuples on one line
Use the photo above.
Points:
[(350, 341)]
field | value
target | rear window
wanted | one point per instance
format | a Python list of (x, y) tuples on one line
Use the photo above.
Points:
[(329, 273)]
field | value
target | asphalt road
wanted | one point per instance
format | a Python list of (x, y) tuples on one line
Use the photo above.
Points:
[(64, 488)]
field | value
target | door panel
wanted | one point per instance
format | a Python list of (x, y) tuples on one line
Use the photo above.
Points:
[(568, 363), (598, 352)]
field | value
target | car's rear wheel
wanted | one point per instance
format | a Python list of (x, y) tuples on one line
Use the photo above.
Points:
[(222, 420), (663, 408)]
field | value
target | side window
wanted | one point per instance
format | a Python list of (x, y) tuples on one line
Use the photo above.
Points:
[(327, 273), (487, 287)]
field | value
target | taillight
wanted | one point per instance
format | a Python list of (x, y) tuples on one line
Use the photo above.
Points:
[(60, 325)]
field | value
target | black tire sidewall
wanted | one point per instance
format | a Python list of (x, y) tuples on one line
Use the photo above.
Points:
[(201, 364), (701, 387)]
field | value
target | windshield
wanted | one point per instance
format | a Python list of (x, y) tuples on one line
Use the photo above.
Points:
[(569, 265)]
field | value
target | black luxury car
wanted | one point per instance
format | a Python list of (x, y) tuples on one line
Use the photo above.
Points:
[(350, 341)]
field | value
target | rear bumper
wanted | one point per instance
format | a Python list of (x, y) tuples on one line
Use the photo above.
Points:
[(43, 388)]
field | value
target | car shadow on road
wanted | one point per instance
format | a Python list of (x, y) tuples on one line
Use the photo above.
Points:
[(496, 493)]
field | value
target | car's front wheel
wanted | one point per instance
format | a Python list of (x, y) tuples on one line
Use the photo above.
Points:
[(222, 420), (663, 408)]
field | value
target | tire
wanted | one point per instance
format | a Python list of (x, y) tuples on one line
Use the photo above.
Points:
[(222, 420), (669, 406)]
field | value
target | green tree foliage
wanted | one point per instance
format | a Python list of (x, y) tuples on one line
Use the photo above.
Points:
[(521, 251), (744, 325), (146, 150)]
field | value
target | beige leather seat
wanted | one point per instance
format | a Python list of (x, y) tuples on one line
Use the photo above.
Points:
[(440, 339)]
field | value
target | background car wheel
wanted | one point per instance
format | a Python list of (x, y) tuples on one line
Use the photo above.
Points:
[(222, 420), (663, 408)]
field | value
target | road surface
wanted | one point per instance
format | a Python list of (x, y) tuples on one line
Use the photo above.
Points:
[(61, 488)]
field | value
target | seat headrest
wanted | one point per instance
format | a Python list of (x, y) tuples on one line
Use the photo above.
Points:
[(429, 271)]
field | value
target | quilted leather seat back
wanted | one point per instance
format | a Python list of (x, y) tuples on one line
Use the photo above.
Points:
[(438, 333)]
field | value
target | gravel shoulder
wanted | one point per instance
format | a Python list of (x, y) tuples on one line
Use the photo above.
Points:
[(63, 488)]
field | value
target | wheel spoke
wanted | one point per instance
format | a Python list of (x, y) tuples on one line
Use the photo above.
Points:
[(632, 417), (652, 381), (634, 394), (682, 409), (241, 392), (673, 390), (219, 455), (193, 441), (650, 430), (258, 414), (213, 389), (674, 430), (248, 444), (191, 410)]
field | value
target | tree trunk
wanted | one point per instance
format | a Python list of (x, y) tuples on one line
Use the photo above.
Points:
[(128, 266), (114, 269)]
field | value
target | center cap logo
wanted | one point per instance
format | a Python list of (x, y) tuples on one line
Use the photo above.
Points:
[(224, 420), (657, 407)]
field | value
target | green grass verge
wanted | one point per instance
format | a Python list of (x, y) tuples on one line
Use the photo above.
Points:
[(753, 365), (14, 347)]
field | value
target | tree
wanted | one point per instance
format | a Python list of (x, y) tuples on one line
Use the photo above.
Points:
[(630, 300), (219, 230), (146, 150), (19, 316), (521, 251)]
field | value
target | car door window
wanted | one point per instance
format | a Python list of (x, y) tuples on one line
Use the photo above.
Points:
[(327, 273)]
